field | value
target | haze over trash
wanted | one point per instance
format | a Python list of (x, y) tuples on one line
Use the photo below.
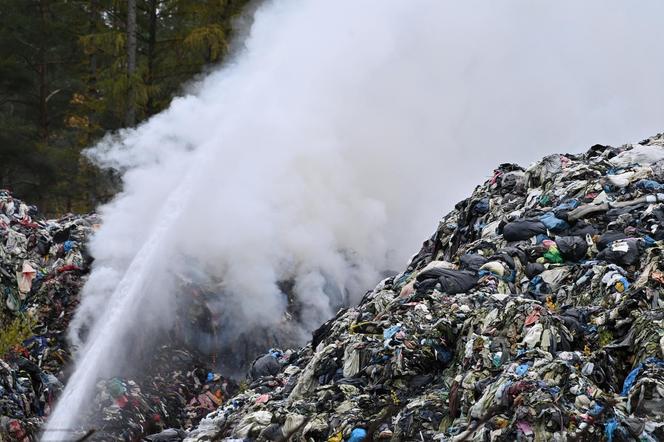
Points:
[(330, 145)]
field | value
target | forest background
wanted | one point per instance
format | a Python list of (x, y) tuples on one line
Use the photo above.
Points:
[(73, 70)]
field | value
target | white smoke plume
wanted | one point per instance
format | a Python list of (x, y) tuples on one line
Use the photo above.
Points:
[(325, 151)]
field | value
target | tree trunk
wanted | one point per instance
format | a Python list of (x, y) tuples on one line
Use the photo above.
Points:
[(94, 17), (152, 47), (42, 73), (130, 117), (92, 84)]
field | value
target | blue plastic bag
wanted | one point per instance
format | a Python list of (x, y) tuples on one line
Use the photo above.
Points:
[(357, 435)]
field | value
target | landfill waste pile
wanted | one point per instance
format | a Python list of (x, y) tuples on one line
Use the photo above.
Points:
[(177, 392), (42, 268), (533, 313), (170, 383)]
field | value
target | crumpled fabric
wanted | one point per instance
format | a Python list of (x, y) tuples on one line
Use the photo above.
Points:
[(43, 266), (25, 277), (40, 295), (533, 313)]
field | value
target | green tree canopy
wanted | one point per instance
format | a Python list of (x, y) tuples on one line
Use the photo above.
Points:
[(65, 80)]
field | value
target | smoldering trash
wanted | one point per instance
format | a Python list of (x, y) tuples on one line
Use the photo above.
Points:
[(532, 313), (42, 268)]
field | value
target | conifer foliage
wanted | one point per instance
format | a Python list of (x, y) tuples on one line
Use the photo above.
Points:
[(71, 70)]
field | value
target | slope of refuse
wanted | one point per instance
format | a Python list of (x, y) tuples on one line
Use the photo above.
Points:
[(533, 313), (42, 269)]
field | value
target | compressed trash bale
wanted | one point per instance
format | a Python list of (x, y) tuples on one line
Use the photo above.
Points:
[(607, 238), (622, 252), (572, 248), (533, 269), (522, 230), (266, 365), (472, 261), (451, 281), (582, 229)]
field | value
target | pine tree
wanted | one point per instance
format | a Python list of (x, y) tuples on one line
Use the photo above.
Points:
[(72, 70)]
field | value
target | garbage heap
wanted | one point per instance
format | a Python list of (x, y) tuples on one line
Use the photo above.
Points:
[(42, 268), (176, 391), (169, 383), (535, 312)]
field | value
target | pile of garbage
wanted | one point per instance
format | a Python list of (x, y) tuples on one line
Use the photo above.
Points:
[(42, 268), (177, 392), (535, 312)]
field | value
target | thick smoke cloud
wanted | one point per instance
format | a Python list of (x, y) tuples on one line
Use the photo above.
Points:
[(329, 146)]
